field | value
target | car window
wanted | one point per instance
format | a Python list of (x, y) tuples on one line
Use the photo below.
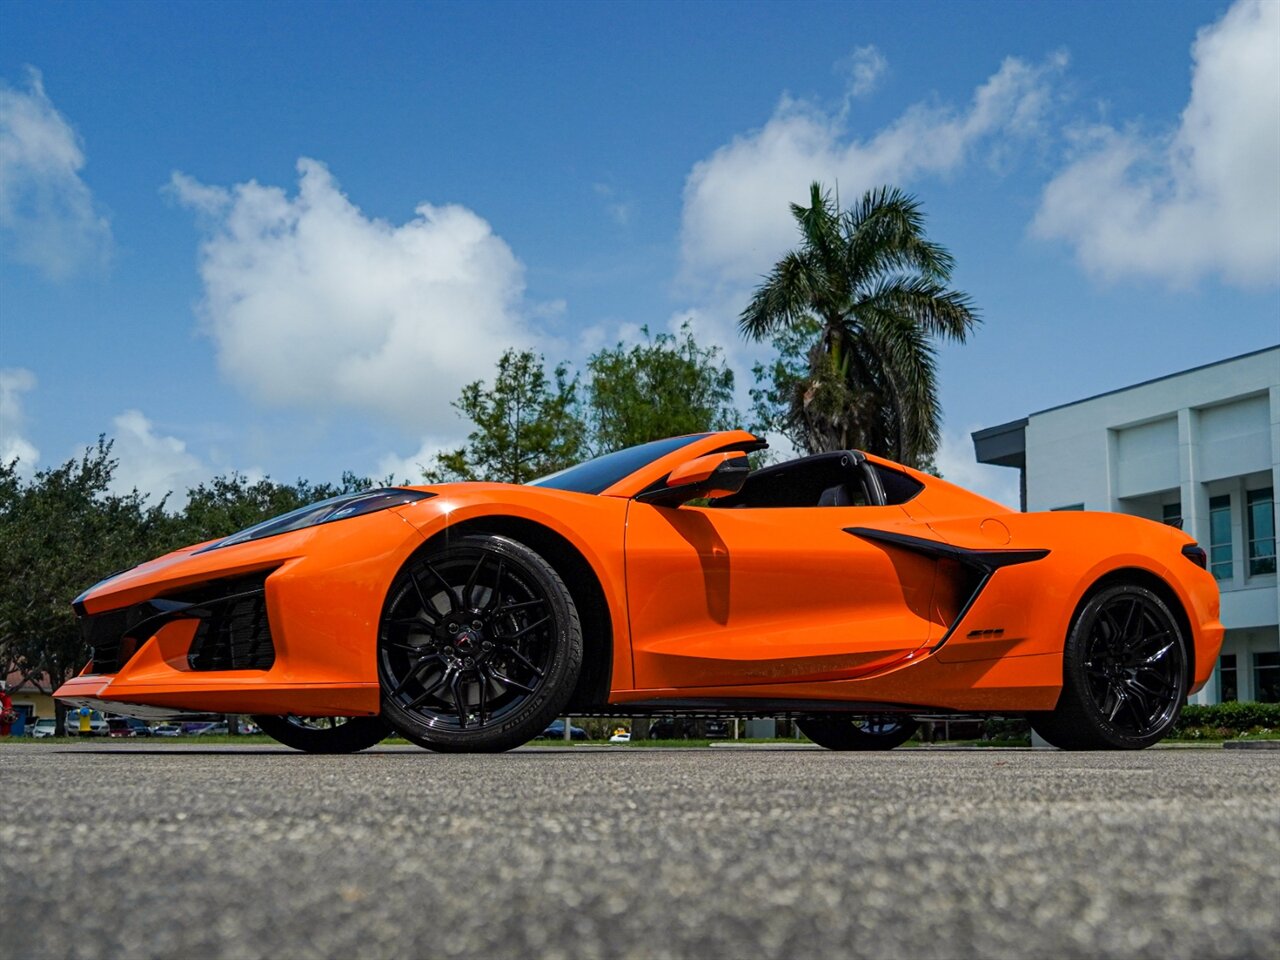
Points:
[(598, 475), (835, 479)]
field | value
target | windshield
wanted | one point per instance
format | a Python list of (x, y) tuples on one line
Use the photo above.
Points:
[(598, 475)]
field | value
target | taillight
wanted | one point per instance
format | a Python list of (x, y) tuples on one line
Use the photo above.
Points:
[(1195, 553)]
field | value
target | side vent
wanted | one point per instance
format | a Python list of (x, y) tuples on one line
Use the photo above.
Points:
[(968, 570)]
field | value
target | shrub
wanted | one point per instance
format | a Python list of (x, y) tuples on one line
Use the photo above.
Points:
[(1232, 717)]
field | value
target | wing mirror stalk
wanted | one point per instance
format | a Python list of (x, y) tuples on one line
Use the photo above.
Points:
[(715, 475)]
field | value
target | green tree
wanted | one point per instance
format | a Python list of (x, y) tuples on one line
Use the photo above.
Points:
[(872, 290), (525, 425), (231, 502), (667, 386), (59, 534)]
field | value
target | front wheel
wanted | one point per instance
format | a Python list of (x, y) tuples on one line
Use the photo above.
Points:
[(479, 647), (837, 731), (325, 734), (1124, 674)]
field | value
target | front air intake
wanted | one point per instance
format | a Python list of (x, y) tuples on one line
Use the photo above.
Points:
[(234, 631)]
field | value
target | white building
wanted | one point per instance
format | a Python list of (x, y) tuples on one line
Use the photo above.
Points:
[(1202, 446)]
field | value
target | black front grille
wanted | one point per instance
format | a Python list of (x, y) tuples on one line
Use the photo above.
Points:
[(236, 635), (233, 632), (106, 634)]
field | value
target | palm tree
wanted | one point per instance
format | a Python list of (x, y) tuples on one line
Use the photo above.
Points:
[(876, 289)]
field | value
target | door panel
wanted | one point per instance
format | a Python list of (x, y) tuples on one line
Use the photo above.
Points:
[(761, 595)]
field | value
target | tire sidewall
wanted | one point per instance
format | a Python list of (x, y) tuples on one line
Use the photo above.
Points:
[(358, 733), (840, 732)]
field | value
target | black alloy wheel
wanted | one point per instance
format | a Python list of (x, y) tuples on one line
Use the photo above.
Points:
[(325, 734), (843, 731), (1124, 674), (479, 647)]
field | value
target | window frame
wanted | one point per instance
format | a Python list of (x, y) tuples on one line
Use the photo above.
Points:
[(1260, 565), (1220, 506)]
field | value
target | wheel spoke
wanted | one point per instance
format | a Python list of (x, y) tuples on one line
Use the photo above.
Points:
[(528, 664), (460, 699), (1157, 656), (471, 581), (445, 677), (510, 607), (496, 596), (1138, 694), (408, 647), (482, 704), (1134, 607), (523, 630), (409, 678), (1121, 698), (508, 682), (455, 599), (427, 608), (409, 622)]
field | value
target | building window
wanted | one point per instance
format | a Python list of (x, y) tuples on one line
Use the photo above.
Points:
[(1266, 677), (1220, 537), (1228, 688), (1262, 532), (1070, 506), (1171, 514)]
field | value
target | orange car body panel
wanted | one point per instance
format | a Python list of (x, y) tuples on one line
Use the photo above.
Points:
[(707, 605)]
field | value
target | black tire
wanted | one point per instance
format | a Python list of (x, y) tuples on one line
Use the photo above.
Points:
[(479, 647), (325, 734), (842, 731), (1124, 674)]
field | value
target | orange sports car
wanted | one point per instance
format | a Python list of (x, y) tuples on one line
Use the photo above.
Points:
[(840, 589)]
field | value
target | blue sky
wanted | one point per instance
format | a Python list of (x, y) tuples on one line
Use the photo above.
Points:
[(277, 238)]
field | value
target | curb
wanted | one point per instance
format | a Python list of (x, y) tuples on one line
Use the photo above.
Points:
[(1251, 745)]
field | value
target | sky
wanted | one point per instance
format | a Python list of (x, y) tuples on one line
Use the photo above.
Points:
[(279, 238)]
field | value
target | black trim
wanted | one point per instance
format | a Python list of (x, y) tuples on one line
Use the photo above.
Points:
[(747, 706), (982, 562), (1196, 554), (735, 470), (233, 631)]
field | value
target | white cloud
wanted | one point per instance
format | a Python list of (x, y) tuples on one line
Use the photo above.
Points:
[(312, 304), (14, 382), (865, 66), (736, 217), (958, 464), (1204, 199), (153, 464), (47, 215), (411, 468)]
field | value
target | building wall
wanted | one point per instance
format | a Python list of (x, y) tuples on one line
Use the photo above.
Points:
[(1170, 447)]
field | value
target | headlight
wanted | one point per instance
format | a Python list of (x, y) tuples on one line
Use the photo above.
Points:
[(325, 511)]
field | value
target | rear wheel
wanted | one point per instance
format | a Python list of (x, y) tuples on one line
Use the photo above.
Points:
[(325, 734), (837, 731), (1124, 674), (479, 647)]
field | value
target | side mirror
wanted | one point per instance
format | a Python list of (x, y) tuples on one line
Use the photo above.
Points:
[(715, 475)]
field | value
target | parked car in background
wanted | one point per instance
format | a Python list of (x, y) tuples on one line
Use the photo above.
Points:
[(684, 728), (204, 729), (127, 727), (166, 730), (97, 724), (555, 731), (43, 727), (620, 738)]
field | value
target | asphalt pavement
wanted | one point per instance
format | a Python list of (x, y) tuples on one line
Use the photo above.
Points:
[(133, 850)]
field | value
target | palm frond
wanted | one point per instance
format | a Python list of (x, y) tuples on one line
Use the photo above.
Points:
[(784, 299), (937, 310)]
